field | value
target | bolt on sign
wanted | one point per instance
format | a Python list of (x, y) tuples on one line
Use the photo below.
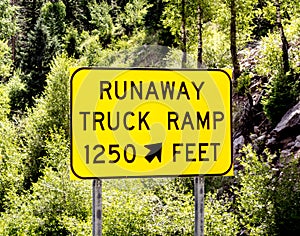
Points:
[(150, 122)]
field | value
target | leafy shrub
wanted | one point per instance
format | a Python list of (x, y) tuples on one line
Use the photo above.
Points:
[(4, 103), (52, 110), (17, 92), (133, 207), (269, 57), (5, 61), (282, 93), (286, 197), (282, 89), (253, 204), (219, 217), (11, 176), (243, 83), (216, 47), (55, 205)]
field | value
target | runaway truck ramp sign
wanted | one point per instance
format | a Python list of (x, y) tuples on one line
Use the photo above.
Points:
[(150, 122)]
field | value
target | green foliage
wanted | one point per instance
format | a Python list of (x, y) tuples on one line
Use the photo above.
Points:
[(78, 14), (219, 217), (269, 57), (263, 201), (282, 89), (44, 41), (52, 110), (36, 194), (288, 8), (132, 207), (5, 61), (292, 31), (11, 157), (244, 23), (70, 40), (132, 16), (4, 103), (286, 197), (216, 49), (123, 54), (172, 20), (112, 22), (53, 16), (102, 21), (243, 83), (247, 207), (282, 94), (54, 205), (253, 203), (8, 24), (17, 91), (156, 33)]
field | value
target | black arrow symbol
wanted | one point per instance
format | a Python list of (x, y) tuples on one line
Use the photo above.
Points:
[(155, 151)]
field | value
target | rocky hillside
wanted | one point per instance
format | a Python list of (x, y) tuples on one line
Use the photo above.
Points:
[(250, 122)]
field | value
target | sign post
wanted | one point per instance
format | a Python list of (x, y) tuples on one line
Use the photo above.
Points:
[(199, 205), (97, 207)]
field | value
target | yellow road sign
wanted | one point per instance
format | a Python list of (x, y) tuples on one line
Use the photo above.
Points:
[(150, 122)]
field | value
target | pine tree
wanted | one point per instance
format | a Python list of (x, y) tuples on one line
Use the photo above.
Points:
[(39, 44)]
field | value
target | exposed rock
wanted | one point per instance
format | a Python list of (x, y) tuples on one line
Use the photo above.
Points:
[(250, 122), (238, 144), (286, 136), (286, 153), (253, 136), (289, 124), (261, 138), (290, 144), (270, 142)]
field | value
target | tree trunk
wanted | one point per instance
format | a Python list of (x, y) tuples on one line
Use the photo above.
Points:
[(200, 50), (284, 43), (233, 47), (183, 33)]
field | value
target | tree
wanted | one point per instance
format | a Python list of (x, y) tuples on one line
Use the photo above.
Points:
[(29, 12), (180, 17), (43, 41), (156, 32), (8, 24), (50, 112), (102, 21), (200, 29), (285, 45), (78, 14), (5, 61), (183, 34), (233, 43)]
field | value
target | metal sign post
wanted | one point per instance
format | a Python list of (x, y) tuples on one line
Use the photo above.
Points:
[(97, 207), (199, 205)]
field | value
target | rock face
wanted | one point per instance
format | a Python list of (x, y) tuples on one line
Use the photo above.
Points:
[(290, 122), (238, 144), (250, 124), (286, 135)]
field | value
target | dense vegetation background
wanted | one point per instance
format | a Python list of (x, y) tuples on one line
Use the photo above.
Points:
[(40, 40)]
